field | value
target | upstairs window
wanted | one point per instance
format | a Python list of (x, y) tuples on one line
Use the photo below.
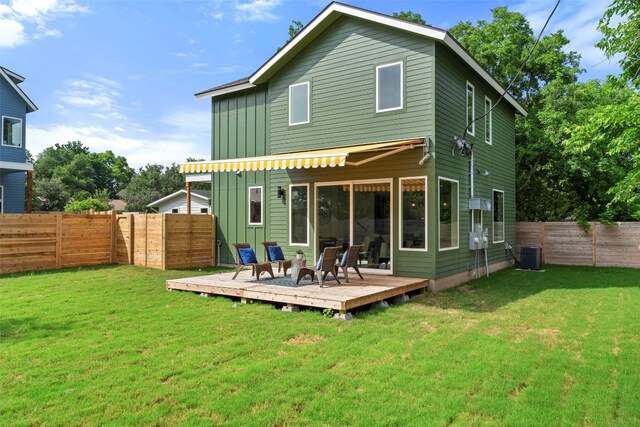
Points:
[(471, 109), (11, 132), (299, 104), (389, 87), (488, 122)]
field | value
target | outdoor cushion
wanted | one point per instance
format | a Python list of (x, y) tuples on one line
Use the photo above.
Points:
[(248, 256), (344, 258), (319, 265), (275, 253)]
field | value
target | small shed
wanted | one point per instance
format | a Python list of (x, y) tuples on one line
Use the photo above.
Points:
[(177, 202)]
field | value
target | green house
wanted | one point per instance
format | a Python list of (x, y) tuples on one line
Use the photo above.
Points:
[(354, 133)]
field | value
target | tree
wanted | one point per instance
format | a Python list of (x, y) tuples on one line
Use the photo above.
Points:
[(50, 194), (85, 205), (410, 16), (151, 183), (501, 46), (620, 26)]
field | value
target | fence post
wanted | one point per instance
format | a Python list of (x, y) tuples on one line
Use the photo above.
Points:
[(131, 254), (59, 240), (164, 242), (594, 243), (114, 246), (542, 242)]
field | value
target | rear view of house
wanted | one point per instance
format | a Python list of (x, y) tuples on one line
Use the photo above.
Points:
[(14, 170), (354, 133)]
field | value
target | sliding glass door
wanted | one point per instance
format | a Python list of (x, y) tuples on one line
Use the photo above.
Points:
[(356, 212)]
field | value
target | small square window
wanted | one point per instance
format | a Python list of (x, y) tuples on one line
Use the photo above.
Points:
[(11, 132), (204, 210), (174, 210), (389, 91), (299, 103)]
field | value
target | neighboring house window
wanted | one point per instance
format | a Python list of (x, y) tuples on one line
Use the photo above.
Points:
[(255, 205), (1, 199), (488, 122), (11, 132), (448, 213), (299, 215), (413, 213), (204, 210), (299, 103), (389, 91), (498, 216), (471, 109), (174, 210)]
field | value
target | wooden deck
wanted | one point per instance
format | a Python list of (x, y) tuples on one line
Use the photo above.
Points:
[(342, 298)]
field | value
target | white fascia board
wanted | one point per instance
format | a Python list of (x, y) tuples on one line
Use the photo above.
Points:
[(172, 195), (225, 90), (16, 166), (13, 75), (17, 89), (462, 53)]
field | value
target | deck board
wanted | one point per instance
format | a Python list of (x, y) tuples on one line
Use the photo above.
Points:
[(343, 297)]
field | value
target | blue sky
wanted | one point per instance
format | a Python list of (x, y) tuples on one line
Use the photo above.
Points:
[(120, 75)]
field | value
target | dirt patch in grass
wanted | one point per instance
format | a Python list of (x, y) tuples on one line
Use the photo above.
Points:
[(303, 339)]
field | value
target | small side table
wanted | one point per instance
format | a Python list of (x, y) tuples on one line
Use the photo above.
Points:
[(295, 266)]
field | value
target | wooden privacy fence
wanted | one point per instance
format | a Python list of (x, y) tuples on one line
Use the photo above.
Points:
[(59, 240), (568, 243)]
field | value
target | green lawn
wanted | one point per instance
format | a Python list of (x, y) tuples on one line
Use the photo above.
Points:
[(111, 346)]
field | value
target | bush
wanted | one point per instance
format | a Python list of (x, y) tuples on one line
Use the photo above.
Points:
[(85, 205)]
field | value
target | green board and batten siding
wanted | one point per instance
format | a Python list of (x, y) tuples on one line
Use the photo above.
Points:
[(498, 158), (340, 66)]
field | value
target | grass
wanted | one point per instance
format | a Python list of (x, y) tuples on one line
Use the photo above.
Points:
[(109, 346)]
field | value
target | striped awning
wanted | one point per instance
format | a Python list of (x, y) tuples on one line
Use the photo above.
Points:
[(331, 157)]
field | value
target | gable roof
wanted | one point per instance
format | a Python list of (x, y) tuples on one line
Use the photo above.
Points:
[(202, 194), (328, 16), (14, 79)]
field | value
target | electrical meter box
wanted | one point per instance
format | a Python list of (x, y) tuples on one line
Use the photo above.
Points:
[(479, 238)]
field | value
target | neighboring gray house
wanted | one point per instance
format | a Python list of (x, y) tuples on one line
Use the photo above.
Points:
[(14, 170), (177, 202)]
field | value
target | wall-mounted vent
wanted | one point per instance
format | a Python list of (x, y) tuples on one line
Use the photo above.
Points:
[(530, 258)]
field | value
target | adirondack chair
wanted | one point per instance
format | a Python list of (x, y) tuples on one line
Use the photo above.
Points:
[(326, 265), (284, 264), (257, 268), (350, 260)]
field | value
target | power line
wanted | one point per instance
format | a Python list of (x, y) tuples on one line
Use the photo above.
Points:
[(464, 134)]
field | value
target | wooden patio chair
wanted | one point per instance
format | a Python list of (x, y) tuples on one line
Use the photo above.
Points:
[(327, 265), (257, 268), (351, 261), (284, 264)]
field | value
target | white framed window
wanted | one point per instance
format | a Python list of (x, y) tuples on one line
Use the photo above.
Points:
[(1, 199), (299, 99), (11, 131), (488, 121), (175, 210), (413, 214), (471, 109), (299, 215), (255, 205), (498, 216), (204, 210), (389, 87), (448, 214)]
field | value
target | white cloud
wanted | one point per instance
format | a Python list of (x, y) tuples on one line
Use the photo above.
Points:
[(24, 19), (256, 11), (11, 33), (579, 20), (98, 94)]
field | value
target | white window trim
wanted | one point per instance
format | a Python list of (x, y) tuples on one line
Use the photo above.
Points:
[(308, 84), (1, 199), (471, 131), (442, 178), (290, 212), (261, 205), (426, 216), (493, 226), (401, 86), (488, 118), (21, 132)]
